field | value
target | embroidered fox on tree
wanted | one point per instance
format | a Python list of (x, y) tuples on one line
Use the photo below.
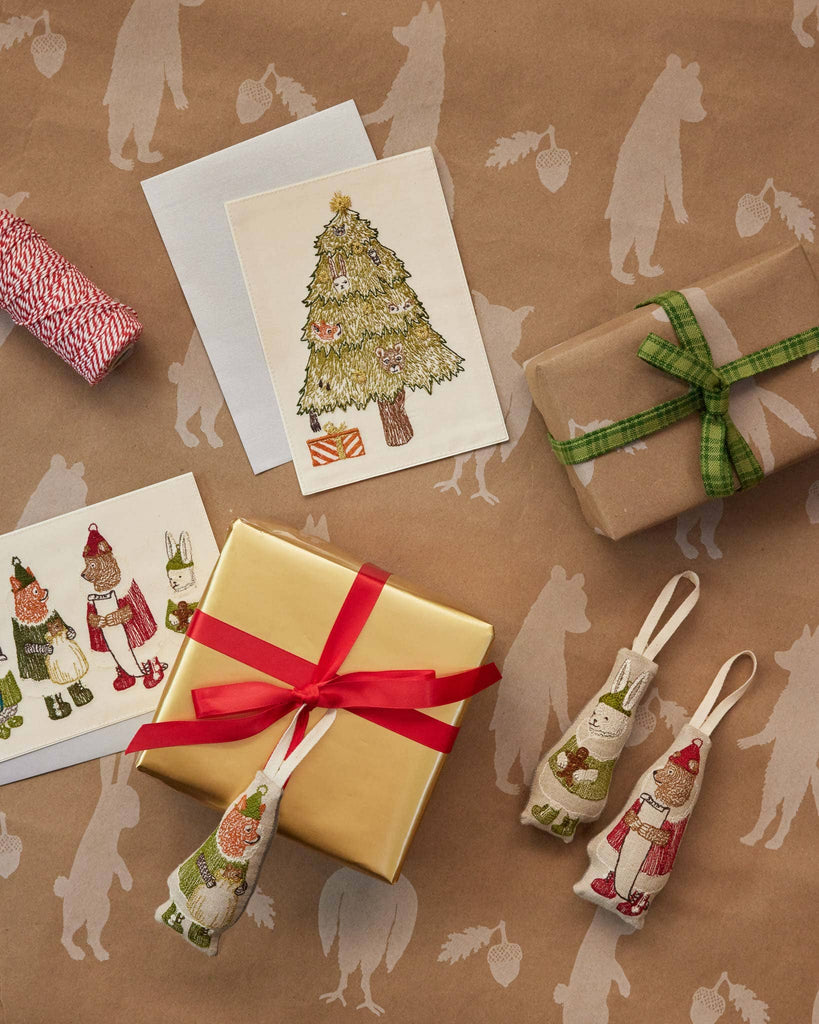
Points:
[(368, 333)]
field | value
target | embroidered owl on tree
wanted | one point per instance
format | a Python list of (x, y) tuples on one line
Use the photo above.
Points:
[(367, 331)]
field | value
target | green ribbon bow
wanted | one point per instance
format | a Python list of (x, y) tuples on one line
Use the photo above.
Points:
[(723, 450)]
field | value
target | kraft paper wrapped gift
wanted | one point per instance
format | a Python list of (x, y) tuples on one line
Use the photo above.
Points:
[(360, 794), (597, 378)]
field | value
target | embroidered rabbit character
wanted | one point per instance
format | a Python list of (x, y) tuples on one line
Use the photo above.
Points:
[(574, 780), (97, 861), (182, 580)]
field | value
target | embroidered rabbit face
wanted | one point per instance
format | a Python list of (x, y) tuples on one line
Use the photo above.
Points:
[(338, 271), (179, 567), (326, 332), (392, 359), (30, 602), (606, 721)]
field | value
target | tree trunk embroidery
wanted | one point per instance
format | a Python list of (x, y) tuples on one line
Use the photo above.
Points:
[(394, 419)]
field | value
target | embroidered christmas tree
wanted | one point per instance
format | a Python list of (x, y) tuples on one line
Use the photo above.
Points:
[(368, 333)]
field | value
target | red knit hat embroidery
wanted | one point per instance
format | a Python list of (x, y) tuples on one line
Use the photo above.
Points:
[(689, 757), (96, 543)]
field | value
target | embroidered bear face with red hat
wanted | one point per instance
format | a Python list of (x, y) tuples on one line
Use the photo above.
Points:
[(675, 780), (101, 567)]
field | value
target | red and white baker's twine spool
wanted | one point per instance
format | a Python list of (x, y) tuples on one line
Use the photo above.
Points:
[(42, 291)]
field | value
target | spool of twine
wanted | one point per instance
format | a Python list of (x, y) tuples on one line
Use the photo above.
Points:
[(42, 291)]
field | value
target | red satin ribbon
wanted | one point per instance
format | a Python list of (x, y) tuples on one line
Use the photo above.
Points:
[(389, 698)]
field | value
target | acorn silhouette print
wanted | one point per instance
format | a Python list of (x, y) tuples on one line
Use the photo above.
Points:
[(503, 957), (708, 1004), (552, 164), (47, 49), (254, 97), (754, 212)]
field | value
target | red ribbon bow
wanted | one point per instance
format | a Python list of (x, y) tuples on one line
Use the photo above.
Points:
[(387, 698)]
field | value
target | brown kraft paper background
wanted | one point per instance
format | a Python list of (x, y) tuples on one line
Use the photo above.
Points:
[(741, 905)]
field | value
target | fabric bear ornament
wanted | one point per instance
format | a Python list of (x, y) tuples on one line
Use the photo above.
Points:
[(630, 862), (571, 783), (210, 890)]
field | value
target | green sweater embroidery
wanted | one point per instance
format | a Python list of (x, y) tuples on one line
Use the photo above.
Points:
[(32, 666), (190, 875), (594, 791)]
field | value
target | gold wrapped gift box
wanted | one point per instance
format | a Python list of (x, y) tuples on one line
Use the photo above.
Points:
[(360, 794)]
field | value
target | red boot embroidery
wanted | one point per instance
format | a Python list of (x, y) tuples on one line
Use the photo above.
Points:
[(635, 905), (154, 673), (123, 680), (605, 886)]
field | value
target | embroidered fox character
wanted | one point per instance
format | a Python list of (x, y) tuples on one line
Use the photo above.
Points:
[(392, 359), (325, 332)]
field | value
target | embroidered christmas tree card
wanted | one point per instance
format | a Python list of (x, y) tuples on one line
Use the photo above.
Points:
[(94, 610), (366, 321)]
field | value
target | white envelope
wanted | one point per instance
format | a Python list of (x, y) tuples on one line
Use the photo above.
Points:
[(188, 205), (61, 707)]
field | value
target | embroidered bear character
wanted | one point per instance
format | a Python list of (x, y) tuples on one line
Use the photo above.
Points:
[(649, 168), (392, 359), (181, 579), (117, 624), (148, 54), (640, 870)]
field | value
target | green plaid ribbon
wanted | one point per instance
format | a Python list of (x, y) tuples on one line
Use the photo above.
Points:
[(723, 450)]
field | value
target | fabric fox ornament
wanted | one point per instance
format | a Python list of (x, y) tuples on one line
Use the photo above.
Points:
[(571, 783), (631, 861), (210, 890)]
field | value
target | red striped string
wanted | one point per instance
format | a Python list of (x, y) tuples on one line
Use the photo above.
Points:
[(42, 291)]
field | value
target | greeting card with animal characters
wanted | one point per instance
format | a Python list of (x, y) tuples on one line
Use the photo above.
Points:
[(91, 618), (369, 332)]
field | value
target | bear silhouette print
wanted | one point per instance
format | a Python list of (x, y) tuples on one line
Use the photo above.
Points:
[(535, 679), (62, 488), (649, 168), (197, 390), (148, 54)]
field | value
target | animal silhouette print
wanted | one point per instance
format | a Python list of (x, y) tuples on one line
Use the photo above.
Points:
[(413, 104), (61, 489), (585, 470), (812, 504), (97, 861), (148, 53), (372, 921), (793, 729), (317, 528), (708, 1004), (708, 516), (595, 969), (552, 164), (501, 329), (673, 715), (197, 390), (748, 400), (503, 958), (260, 909), (649, 168), (11, 848), (534, 678), (753, 213), (254, 97), (802, 9)]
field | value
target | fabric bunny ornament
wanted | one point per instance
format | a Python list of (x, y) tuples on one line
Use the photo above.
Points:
[(630, 862), (211, 889), (571, 783)]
